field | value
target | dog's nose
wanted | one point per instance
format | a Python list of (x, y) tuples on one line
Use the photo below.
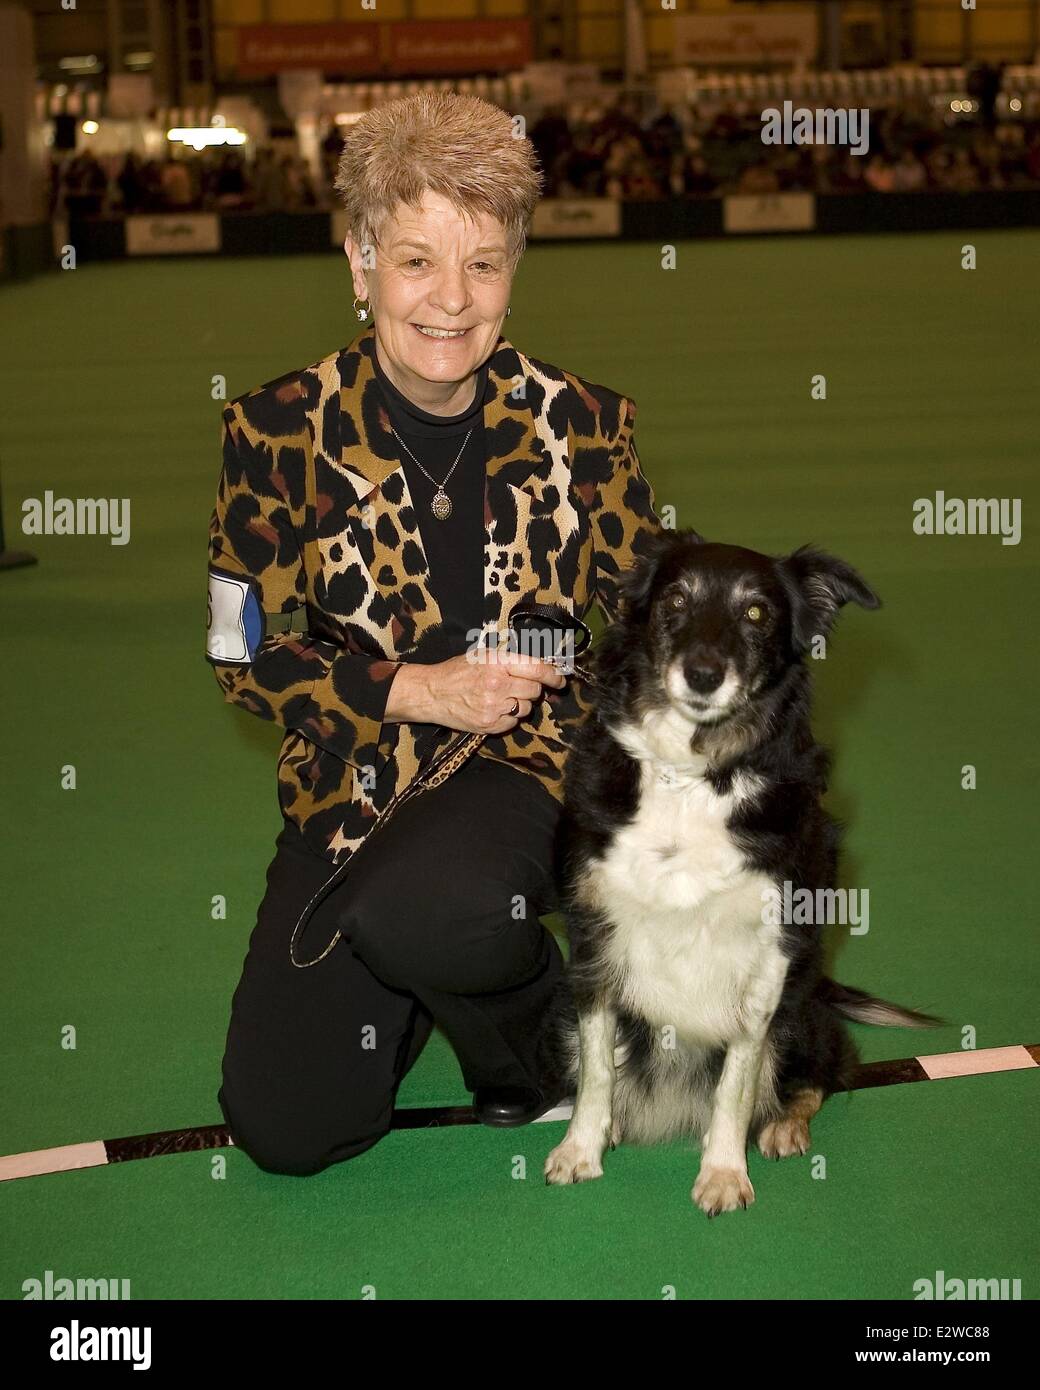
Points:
[(704, 675)]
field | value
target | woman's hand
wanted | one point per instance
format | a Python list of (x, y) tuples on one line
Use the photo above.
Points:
[(471, 692)]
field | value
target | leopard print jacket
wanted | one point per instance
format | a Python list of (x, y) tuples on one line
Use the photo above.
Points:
[(313, 514)]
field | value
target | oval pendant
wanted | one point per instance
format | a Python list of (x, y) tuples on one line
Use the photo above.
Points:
[(441, 505)]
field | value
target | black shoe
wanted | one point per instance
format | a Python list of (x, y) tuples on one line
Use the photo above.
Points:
[(511, 1105)]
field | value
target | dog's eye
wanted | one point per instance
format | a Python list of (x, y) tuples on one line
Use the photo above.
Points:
[(754, 613), (677, 599)]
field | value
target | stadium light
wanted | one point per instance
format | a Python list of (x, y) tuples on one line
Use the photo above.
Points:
[(198, 137)]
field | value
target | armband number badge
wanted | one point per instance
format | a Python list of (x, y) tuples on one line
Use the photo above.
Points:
[(234, 620)]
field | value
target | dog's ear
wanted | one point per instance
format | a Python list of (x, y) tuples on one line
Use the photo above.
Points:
[(635, 583), (824, 584)]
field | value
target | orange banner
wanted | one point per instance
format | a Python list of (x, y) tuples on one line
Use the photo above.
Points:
[(385, 50), (474, 45)]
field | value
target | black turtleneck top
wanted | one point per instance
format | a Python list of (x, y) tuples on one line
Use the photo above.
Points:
[(455, 546)]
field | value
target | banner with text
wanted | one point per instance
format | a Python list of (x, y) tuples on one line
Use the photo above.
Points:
[(576, 217), (755, 38), (769, 212), (172, 234), (382, 49)]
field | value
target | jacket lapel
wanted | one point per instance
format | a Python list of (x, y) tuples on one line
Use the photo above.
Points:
[(370, 458)]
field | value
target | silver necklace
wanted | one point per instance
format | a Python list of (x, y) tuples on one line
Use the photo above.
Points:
[(441, 504)]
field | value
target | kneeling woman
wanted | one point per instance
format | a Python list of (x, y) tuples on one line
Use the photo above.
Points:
[(380, 516)]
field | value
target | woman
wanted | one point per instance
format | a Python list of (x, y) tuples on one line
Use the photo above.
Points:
[(380, 517)]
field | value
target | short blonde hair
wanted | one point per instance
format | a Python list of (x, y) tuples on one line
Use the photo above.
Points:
[(461, 147)]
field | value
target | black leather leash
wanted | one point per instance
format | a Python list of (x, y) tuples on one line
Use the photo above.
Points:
[(449, 760)]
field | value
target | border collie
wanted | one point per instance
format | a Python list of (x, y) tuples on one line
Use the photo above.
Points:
[(691, 816)]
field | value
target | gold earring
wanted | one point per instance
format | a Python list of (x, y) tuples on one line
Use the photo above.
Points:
[(362, 313)]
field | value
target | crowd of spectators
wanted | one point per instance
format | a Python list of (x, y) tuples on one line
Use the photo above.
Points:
[(605, 153), (217, 180), (613, 154)]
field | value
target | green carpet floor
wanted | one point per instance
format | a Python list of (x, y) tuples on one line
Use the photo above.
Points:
[(931, 383)]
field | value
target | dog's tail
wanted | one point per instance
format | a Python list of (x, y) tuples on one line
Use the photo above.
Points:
[(867, 1008)]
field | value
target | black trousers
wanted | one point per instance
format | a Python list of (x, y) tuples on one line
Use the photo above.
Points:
[(439, 916)]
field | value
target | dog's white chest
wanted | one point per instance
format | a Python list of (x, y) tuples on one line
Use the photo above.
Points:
[(678, 852), (692, 932)]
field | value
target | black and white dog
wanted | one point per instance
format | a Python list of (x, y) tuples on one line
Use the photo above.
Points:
[(692, 797)]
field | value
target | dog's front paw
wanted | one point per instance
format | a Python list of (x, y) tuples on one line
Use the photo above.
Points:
[(722, 1189), (573, 1161), (784, 1138)]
